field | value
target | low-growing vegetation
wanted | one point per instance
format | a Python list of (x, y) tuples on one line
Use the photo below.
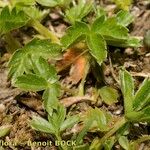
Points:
[(40, 62)]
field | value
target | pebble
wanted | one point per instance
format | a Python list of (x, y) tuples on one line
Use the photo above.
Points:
[(129, 51), (2, 108), (117, 112)]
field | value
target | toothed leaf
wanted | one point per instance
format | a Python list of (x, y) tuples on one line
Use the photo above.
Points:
[(97, 46), (142, 96), (42, 125), (109, 95), (69, 122), (79, 11), (73, 33), (50, 97), (112, 30), (20, 59), (31, 82), (124, 18), (10, 20), (127, 88)]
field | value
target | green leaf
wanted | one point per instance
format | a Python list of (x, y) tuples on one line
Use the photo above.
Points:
[(127, 88), (35, 13), (48, 3), (145, 114), (23, 2), (95, 144), (109, 95), (42, 125), (123, 4), (73, 33), (100, 117), (10, 20), (55, 121), (124, 130), (94, 119), (124, 18), (97, 72), (142, 96), (108, 145), (123, 141), (98, 23), (100, 11), (140, 116), (42, 68), (81, 147), (134, 116), (111, 30), (16, 64), (50, 97), (97, 46), (130, 42), (31, 82), (79, 11), (35, 48), (4, 130), (54, 3), (84, 131), (58, 117), (69, 122)]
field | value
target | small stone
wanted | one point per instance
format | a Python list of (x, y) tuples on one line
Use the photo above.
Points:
[(2, 108), (129, 51), (54, 16), (107, 71), (117, 112)]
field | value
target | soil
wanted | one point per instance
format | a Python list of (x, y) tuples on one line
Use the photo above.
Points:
[(17, 107)]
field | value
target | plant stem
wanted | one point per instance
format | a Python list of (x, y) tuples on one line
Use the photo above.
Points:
[(118, 125), (73, 92), (137, 142), (81, 86), (13, 44), (101, 141), (59, 139), (134, 116), (44, 31), (143, 139)]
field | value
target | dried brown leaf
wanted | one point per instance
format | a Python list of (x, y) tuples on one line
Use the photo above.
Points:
[(67, 102)]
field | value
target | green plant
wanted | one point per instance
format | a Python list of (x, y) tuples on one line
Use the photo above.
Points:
[(56, 124), (123, 4), (4, 130), (78, 11), (95, 120), (136, 108), (74, 12), (18, 17), (104, 31), (109, 95), (54, 3), (30, 70)]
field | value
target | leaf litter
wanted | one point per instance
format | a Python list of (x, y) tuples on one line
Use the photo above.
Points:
[(28, 106)]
